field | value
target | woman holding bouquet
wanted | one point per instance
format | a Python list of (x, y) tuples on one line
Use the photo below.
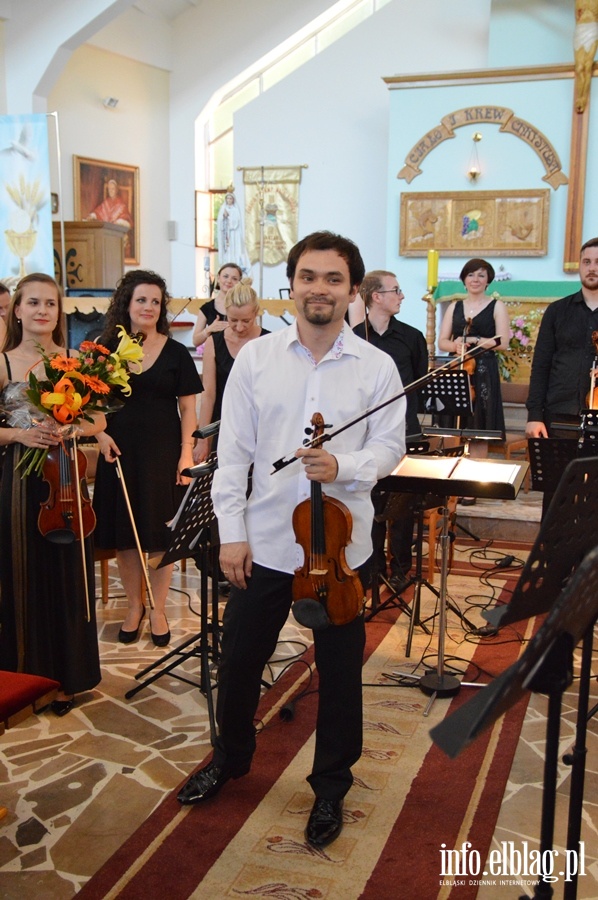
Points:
[(47, 611), (153, 437)]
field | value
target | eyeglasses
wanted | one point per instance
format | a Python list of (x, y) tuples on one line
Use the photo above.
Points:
[(394, 290)]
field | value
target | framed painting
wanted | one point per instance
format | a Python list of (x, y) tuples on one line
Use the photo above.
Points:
[(109, 192), (475, 223)]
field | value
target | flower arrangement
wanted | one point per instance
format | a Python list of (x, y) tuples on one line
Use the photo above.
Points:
[(74, 388), (521, 347)]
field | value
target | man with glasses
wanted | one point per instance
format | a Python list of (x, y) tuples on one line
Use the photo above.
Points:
[(407, 346)]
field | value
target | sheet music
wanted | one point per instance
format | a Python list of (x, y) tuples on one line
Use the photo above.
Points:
[(469, 469), (440, 467)]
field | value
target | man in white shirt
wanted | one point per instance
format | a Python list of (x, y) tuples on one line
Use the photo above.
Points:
[(315, 365)]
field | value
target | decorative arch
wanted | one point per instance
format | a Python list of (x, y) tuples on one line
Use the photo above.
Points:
[(486, 115)]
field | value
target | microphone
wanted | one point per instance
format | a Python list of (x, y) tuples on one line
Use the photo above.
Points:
[(311, 614)]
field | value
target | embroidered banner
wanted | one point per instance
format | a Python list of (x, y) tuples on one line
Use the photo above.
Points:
[(271, 198), (25, 211)]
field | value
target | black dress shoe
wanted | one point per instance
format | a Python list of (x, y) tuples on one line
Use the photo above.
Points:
[(325, 822), (62, 707), (127, 637), (398, 583), (161, 640), (205, 783)]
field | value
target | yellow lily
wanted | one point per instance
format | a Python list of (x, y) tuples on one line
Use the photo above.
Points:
[(120, 377), (129, 350)]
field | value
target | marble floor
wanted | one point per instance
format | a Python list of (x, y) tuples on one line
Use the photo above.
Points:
[(76, 787)]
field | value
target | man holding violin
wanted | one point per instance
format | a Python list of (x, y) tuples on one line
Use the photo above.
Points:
[(315, 365), (564, 353)]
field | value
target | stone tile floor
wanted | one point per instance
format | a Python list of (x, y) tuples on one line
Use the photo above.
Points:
[(77, 787)]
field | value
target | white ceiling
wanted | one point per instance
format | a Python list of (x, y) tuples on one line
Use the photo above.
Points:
[(164, 9)]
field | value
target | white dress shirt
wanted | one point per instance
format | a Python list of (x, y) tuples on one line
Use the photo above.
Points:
[(274, 389)]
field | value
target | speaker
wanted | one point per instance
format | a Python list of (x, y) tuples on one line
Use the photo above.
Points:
[(172, 229)]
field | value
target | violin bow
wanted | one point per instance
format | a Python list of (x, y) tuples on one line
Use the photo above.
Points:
[(123, 483), (81, 535), (484, 344)]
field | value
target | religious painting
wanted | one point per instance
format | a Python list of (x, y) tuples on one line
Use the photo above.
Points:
[(475, 223), (109, 192)]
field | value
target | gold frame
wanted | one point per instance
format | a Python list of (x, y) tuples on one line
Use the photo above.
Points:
[(91, 177), (497, 223)]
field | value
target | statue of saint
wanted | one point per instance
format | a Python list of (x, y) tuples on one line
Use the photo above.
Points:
[(585, 43), (231, 246)]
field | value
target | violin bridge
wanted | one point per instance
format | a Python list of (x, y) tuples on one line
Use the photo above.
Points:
[(318, 571)]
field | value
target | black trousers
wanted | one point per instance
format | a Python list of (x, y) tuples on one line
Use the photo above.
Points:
[(252, 622)]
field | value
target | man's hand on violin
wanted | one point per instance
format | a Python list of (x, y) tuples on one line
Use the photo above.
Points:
[(108, 447), (320, 465), (236, 561)]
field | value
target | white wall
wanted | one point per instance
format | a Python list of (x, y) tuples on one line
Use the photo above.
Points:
[(213, 44), (135, 133), (333, 114)]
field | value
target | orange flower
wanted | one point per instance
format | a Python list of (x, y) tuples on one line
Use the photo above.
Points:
[(95, 384), (91, 346), (65, 363), (64, 402)]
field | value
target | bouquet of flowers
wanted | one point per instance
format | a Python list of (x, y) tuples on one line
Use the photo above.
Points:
[(74, 388), (520, 345)]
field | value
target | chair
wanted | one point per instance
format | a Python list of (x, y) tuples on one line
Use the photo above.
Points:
[(21, 695), (515, 443)]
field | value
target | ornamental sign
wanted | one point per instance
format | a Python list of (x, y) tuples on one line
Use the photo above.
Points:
[(486, 115)]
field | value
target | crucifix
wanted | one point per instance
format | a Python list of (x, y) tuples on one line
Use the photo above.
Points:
[(585, 44)]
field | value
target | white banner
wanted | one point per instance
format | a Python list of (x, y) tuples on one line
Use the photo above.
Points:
[(271, 198), (25, 210)]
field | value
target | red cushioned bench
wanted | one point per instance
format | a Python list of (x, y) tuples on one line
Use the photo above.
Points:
[(21, 695)]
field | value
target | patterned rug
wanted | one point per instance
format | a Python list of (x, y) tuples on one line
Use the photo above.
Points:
[(407, 803)]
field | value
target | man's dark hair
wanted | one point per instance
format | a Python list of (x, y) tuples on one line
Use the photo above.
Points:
[(118, 311), (327, 240), (3, 288), (593, 242)]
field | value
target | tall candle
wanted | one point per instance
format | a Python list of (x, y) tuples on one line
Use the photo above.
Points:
[(432, 269)]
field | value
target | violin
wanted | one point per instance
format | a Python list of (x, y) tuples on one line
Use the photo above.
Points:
[(592, 397), (67, 514), (325, 589)]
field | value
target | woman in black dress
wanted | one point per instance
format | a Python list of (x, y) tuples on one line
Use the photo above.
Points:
[(211, 318), (47, 617), (242, 308), (465, 323), (153, 436)]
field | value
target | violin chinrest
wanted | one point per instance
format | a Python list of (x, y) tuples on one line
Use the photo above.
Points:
[(311, 614)]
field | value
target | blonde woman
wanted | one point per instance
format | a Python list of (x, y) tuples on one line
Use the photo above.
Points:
[(220, 352), (212, 315)]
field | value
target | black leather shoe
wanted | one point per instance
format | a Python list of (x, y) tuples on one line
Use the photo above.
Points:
[(62, 707), (325, 822), (127, 637), (161, 640), (398, 583), (205, 783)]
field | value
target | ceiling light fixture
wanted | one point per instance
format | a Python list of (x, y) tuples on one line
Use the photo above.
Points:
[(474, 171), (110, 102)]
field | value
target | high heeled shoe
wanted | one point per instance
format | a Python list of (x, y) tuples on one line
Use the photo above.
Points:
[(127, 637), (161, 640), (62, 707)]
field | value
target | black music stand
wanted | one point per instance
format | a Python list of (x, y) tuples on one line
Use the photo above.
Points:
[(195, 534), (546, 667), (399, 506), (452, 476), (448, 395)]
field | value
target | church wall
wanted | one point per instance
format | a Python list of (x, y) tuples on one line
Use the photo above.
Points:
[(333, 114), (530, 33), (135, 133)]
